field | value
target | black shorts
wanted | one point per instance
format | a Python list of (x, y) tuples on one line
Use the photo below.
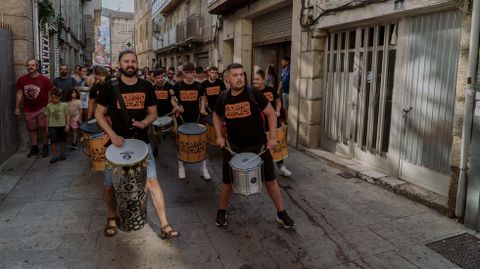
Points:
[(57, 134), (268, 168)]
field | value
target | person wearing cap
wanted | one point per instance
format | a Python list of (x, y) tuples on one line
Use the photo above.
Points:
[(187, 102)]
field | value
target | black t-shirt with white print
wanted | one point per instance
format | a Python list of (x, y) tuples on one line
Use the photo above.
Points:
[(164, 105), (138, 98), (212, 91), (188, 96), (243, 119)]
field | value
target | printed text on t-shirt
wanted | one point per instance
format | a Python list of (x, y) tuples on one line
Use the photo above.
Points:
[(161, 95), (213, 90), (133, 100), (188, 95), (238, 110), (269, 96)]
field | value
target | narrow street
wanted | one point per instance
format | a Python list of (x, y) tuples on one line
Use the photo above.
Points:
[(53, 216)]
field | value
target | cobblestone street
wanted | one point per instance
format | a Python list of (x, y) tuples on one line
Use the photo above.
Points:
[(53, 216)]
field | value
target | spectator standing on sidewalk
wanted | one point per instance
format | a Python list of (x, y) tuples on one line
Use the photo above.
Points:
[(284, 86), (271, 78), (76, 75), (84, 84), (58, 124), (64, 82), (73, 102), (33, 90)]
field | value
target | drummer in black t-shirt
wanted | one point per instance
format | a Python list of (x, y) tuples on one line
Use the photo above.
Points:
[(101, 77), (187, 102), (244, 121), (163, 94), (139, 98), (276, 102), (211, 89), (164, 104)]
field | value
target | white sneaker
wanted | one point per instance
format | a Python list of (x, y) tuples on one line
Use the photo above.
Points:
[(284, 171), (204, 174), (181, 173)]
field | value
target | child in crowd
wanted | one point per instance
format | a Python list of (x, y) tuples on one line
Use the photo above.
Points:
[(58, 124), (73, 102)]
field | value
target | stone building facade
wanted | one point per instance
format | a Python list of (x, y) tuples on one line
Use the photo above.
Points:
[(144, 33), (73, 46), (183, 32), (122, 26), (383, 85), (254, 33)]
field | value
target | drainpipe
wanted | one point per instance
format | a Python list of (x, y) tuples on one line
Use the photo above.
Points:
[(36, 32), (468, 112)]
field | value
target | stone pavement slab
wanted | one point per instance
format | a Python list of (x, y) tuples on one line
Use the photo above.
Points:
[(52, 216)]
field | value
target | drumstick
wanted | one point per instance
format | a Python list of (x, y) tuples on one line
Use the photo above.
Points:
[(256, 156), (168, 114), (230, 150)]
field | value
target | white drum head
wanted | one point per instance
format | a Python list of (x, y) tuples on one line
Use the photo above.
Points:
[(192, 128), (133, 151), (162, 121), (245, 161)]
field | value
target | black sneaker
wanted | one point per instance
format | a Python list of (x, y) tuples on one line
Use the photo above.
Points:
[(73, 146), (45, 151), (285, 220), (63, 156), (155, 152), (221, 219), (33, 151), (54, 159)]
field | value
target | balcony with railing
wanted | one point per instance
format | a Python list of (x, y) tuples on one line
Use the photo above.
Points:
[(164, 6), (222, 6), (157, 43), (172, 37), (195, 29), (181, 32), (166, 41)]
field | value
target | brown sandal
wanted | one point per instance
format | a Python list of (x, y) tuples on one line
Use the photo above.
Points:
[(110, 228), (170, 234)]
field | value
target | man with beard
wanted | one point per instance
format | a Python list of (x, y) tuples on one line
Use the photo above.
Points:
[(33, 89), (64, 82), (170, 77), (242, 109), (141, 107), (187, 102)]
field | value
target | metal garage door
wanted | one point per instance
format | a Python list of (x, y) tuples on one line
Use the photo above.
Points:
[(274, 26)]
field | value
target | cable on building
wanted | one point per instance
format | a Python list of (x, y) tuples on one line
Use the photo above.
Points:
[(307, 23)]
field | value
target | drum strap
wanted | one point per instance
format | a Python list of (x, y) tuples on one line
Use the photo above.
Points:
[(121, 102)]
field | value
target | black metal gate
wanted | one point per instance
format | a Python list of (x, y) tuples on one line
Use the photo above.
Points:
[(8, 121)]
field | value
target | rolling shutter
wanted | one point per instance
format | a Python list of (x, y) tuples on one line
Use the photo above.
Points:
[(276, 25)]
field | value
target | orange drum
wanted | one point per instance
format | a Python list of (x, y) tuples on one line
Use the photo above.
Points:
[(89, 128), (280, 151), (192, 142), (97, 145), (86, 146)]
